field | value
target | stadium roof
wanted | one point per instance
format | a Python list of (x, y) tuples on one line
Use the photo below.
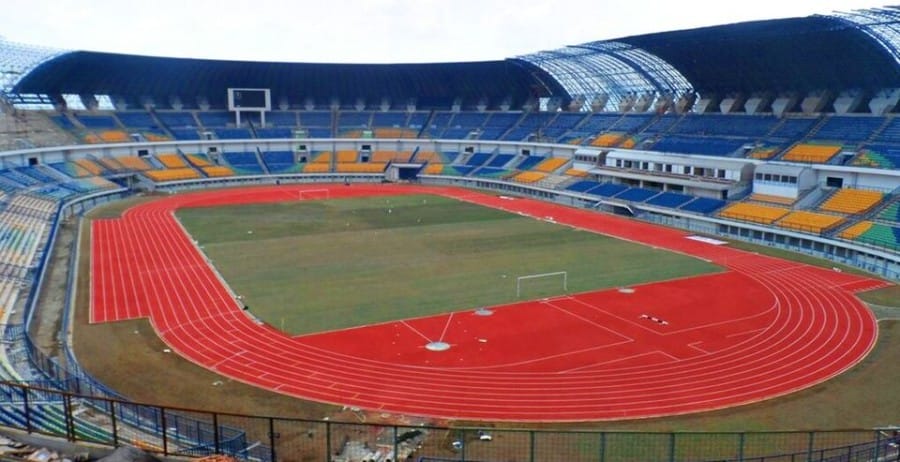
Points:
[(854, 50)]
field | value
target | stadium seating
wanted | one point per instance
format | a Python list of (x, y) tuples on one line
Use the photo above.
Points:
[(891, 213), (670, 199), (772, 199), (172, 174), (810, 222), (529, 177), (811, 153), (705, 145), (636, 194), (757, 213), (704, 205), (215, 171), (851, 201), (243, 162), (550, 165), (875, 234), (849, 128), (607, 139), (171, 160), (280, 162), (97, 121), (608, 189), (878, 156), (390, 156)]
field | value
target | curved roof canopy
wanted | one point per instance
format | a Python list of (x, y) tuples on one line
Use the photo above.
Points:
[(855, 50), (136, 77)]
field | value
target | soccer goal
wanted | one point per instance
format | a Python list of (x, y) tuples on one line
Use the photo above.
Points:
[(313, 194), (542, 284)]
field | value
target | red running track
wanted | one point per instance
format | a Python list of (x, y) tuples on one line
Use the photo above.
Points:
[(763, 328)]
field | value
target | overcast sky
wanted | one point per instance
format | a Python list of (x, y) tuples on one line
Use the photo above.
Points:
[(373, 31)]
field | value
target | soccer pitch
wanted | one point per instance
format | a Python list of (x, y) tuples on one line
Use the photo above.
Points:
[(310, 266)]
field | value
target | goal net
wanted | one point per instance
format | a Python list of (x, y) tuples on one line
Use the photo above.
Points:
[(542, 285), (313, 194)]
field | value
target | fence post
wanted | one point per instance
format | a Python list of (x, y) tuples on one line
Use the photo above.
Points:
[(741, 440), (877, 445), (531, 445), (27, 405), (812, 442), (396, 447), (113, 422), (67, 412), (215, 421), (327, 438), (165, 433), (602, 447), (672, 447), (272, 440)]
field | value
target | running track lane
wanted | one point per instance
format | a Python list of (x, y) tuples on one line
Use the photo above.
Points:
[(793, 326)]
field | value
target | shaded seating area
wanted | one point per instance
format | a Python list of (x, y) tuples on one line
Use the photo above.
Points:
[(243, 163), (280, 162)]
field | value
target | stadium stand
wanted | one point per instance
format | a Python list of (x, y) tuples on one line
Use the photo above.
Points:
[(812, 153), (851, 201), (592, 114), (758, 213), (810, 222)]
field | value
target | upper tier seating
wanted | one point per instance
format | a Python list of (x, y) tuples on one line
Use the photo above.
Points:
[(812, 153), (848, 129)]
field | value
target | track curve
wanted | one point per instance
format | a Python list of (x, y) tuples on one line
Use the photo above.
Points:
[(763, 328)]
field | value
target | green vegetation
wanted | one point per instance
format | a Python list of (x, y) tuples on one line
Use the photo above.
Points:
[(320, 265)]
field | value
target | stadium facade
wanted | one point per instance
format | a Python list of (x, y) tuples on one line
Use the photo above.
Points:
[(781, 132)]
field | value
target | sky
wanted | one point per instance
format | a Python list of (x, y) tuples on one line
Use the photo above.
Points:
[(373, 31)]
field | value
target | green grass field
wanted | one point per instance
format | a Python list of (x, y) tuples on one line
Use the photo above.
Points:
[(320, 265)]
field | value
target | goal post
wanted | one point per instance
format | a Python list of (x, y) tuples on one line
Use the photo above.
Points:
[(522, 281), (313, 194)]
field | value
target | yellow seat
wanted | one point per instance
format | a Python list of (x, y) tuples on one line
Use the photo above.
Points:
[(608, 140), (216, 171), (172, 174), (550, 165), (529, 177), (851, 201), (171, 160), (757, 213), (812, 153), (856, 230), (773, 199), (811, 222)]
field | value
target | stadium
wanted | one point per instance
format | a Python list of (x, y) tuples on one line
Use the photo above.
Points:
[(681, 246)]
